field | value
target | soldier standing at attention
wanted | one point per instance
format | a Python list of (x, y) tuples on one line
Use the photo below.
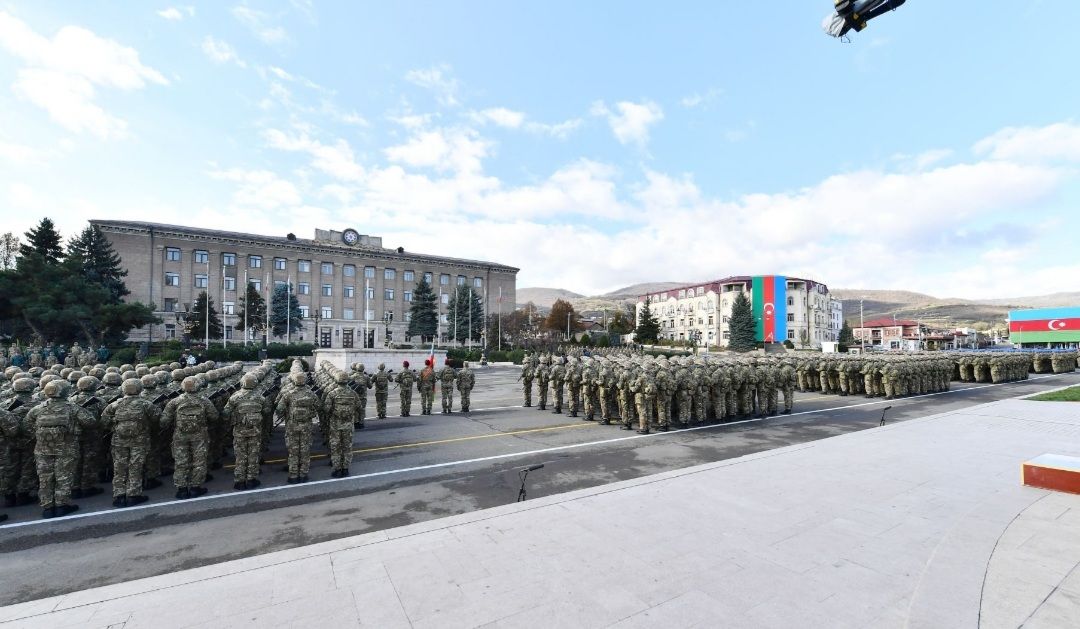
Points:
[(55, 423), (90, 440), (342, 407), (465, 382), (446, 382), (381, 381), (527, 374), (301, 407), (405, 381), (543, 374), (573, 383), (558, 380), (246, 410), (130, 419), (190, 415), (425, 385), (361, 378)]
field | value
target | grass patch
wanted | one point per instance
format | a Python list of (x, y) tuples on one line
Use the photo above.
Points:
[(1072, 394)]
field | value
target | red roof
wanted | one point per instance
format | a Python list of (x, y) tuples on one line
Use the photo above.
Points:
[(889, 323)]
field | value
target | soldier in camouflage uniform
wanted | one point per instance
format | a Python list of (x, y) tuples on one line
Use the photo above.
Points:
[(528, 372), (573, 384), (363, 383), (543, 376), (21, 472), (405, 381), (381, 382), (300, 407), (90, 441), (129, 419), (447, 375), (465, 382), (342, 407), (189, 416), (558, 381), (644, 387), (246, 411), (589, 397), (425, 385), (56, 424)]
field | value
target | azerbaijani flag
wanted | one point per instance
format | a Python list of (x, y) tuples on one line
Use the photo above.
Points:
[(770, 307), (1044, 325)]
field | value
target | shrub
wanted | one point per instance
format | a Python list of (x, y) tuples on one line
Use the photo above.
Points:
[(124, 355)]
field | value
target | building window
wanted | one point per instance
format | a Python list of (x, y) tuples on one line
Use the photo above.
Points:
[(303, 266), (228, 333), (461, 280), (389, 274), (427, 277), (682, 294), (230, 283), (170, 305), (726, 319), (791, 301), (444, 280), (727, 335), (388, 294), (791, 317), (348, 314), (172, 254), (303, 288), (327, 312), (369, 292), (442, 319), (408, 295), (201, 281), (172, 279), (279, 284), (445, 298), (228, 259), (228, 307), (369, 272), (409, 276), (280, 264), (710, 321), (388, 316), (327, 290), (170, 331), (327, 268), (348, 270), (255, 262), (791, 334), (350, 291), (201, 257), (478, 282), (305, 312), (369, 315), (256, 285)]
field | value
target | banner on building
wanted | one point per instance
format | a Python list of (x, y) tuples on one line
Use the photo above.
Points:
[(1045, 325), (770, 307)]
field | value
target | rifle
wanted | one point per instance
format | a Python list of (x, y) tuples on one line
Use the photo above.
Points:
[(16, 403), (161, 399), (90, 402)]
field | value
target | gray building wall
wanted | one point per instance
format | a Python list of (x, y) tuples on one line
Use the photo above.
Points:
[(148, 252)]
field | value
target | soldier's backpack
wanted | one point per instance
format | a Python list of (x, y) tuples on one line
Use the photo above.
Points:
[(302, 406), (129, 417), (190, 415), (53, 427), (344, 406), (249, 413)]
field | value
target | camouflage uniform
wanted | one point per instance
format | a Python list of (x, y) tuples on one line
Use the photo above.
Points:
[(405, 381), (465, 382), (363, 382), (558, 381), (189, 416), (246, 411), (300, 408), (543, 375), (381, 382), (527, 374), (91, 441), (56, 424), (425, 385), (130, 419), (788, 380), (447, 375), (573, 384), (342, 408)]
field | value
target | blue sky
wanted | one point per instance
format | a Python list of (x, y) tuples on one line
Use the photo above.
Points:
[(594, 145)]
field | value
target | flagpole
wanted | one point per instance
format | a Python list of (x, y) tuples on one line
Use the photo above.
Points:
[(247, 331), (207, 292), (288, 310), (500, 318), (269, 304), (469, 342), (367, 306)]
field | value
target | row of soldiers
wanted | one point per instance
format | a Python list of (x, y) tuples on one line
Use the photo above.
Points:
[(47, 355), (694, 389), (424, 381)]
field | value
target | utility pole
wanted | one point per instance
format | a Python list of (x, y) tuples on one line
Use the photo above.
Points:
[(568, 327), (288, 311), (469, 342), (269, 306), (500, 318), (862, 328)]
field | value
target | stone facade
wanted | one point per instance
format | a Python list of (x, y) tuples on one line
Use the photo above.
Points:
[(348, 283), (813, 314)]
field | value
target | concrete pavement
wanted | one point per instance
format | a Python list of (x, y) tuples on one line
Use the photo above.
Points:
[(921, 524)]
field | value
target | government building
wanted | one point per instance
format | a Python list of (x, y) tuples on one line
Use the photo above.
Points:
[(785, 308), (352, 291)]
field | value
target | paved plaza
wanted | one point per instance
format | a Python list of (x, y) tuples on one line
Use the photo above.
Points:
[(921, 524)]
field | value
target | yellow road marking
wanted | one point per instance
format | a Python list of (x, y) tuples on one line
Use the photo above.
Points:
[(323, 455)]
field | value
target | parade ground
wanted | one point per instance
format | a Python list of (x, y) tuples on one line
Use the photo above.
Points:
[(424, 468), (920, 523)]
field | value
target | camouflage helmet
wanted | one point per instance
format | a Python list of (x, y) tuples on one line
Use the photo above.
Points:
[(74, 376), (23, 385), (178, 375), (162, 377), (64, 372), (131, 386), (465, 365), (189, 384), (142, 370), (173, 366), (87, 383), (148, 381), (249, 381), (382, 366), (128, 374), (341, 377), (112, 379), (53, 389), (97, 372), (46, 379), (298, 378)]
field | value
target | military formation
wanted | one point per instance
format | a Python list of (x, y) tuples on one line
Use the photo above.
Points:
[(658, 392), (49, 354)]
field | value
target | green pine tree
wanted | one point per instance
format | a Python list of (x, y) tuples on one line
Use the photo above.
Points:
[(423, 316), (464, 300), (195, 321), (742, 325), (100, 262), (285, 314), (253, 308), (648, 328), (43, 240)]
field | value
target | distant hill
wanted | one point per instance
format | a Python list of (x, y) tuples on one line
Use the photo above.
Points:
[(943, 312)]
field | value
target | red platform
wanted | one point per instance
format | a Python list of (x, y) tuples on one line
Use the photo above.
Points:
[(1056, 472)]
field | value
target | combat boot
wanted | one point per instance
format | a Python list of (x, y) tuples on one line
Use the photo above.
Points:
[(183, 493), (239, 485), (119, 501), (136, 500), (23, 499), (63, 510), (50, 512), (9, 500), (344, 472), (302, 479), (643, 431), (195, 492), (253, 483), (664, 428), (292, 480)]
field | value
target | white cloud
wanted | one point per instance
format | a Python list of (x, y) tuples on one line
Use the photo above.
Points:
[(499, 116), (336, 159), (259, 189), (258, 23), (459, 150), (61, 74), (438, 79), (220, 51), (559, 130), (630, 121), (174, 14), (701, 99), (1059, 141), (19, 153)]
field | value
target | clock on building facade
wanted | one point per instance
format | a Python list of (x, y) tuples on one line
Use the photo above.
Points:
[(350, 237)]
